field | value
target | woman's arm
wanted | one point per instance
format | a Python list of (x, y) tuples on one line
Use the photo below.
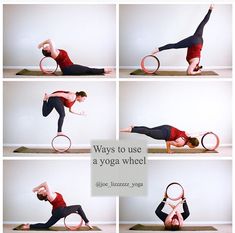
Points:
[(53, 50), (178, 143), (44, 188), (77, 113)]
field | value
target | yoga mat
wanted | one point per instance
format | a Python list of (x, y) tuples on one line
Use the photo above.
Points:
[(37, 73), (140, 227), (172, 73), (181, 150), (27, 72), (49, 151), (59, 228)]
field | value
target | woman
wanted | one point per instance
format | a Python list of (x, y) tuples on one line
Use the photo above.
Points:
[(59, 208), (172, 135), (174, 220), (59, 100), (66, 65), (194, 44)]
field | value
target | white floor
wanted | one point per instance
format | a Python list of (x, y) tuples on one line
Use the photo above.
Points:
[(105, 229), (220, 229), (224, 153), (223, 73), (11, 73)]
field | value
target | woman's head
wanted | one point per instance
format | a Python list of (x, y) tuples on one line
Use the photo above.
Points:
[(81, 96), (192, 142), (41, 197), (46, 51), (174, 225)]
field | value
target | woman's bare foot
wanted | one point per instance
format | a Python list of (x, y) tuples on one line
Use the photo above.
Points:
[(25, 227), (127, 130), (88, 225), (46, 97), (60, 134), (212, 6), (108, 70), (156, 50)]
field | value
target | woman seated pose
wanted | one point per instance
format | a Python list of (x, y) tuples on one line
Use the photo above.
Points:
[(174, 220), (59, 100), (172, 135), (66, 65), (59, 208), (194, 44)]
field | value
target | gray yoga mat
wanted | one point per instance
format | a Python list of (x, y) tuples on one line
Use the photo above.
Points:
[(140, 227), (181, 150), (172, 73), (59, 228), (37, 73)]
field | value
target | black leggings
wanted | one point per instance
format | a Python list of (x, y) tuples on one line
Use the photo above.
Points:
[(160, 133), (48, 106), (196, 38), (81, 70), (163, 215), (59, 213)]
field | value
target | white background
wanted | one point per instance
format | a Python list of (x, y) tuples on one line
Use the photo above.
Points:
[(86, 32), (190, 106), (145, 27), (70, 178), (24, 123), (207, 186)]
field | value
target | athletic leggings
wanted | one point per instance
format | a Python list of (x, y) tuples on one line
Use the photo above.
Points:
[(48, 106), (163, 215), (81, 70), (59, 213), (196, 38), (160, 133)]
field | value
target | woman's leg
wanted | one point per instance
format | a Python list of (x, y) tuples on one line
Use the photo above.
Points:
[(47, 107), (186, 213), (185, 43), (159, 133), (75, 209), (56, 216), (199, 30), (59, 107), (82, 70), (159, 212)]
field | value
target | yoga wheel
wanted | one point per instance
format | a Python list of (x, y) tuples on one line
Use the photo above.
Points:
[(70, 219), (174, 191), (150, 61), (210, 141), (48, 65), (61, 143)]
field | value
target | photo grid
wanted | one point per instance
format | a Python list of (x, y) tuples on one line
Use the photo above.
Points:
[(155, 76)]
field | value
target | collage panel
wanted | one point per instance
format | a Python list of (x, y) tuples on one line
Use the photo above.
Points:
[(32, 118), (174, 116), (175, 40), (33, 190), (59, 40), (204, 205)]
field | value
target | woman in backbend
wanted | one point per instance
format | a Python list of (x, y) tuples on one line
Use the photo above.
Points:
[(59, 208), (172, 135), (194, 44), (66, 65), (60, 99)]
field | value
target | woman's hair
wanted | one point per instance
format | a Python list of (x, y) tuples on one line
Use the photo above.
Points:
[(193, 141), (46, 53), (41, 197), (174, 227), (81, 93)]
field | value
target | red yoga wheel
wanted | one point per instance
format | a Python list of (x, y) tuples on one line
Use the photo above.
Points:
[(61, 143), (48, 65), (74, 217), (174, 191), (210, 141), (154, 63)]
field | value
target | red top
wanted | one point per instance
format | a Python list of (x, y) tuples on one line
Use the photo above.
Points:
[(176, 133), (67, 103), (63, 59), (194, 51), (58, 202)]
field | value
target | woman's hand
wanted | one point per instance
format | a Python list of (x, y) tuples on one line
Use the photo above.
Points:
[(156, 50)]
